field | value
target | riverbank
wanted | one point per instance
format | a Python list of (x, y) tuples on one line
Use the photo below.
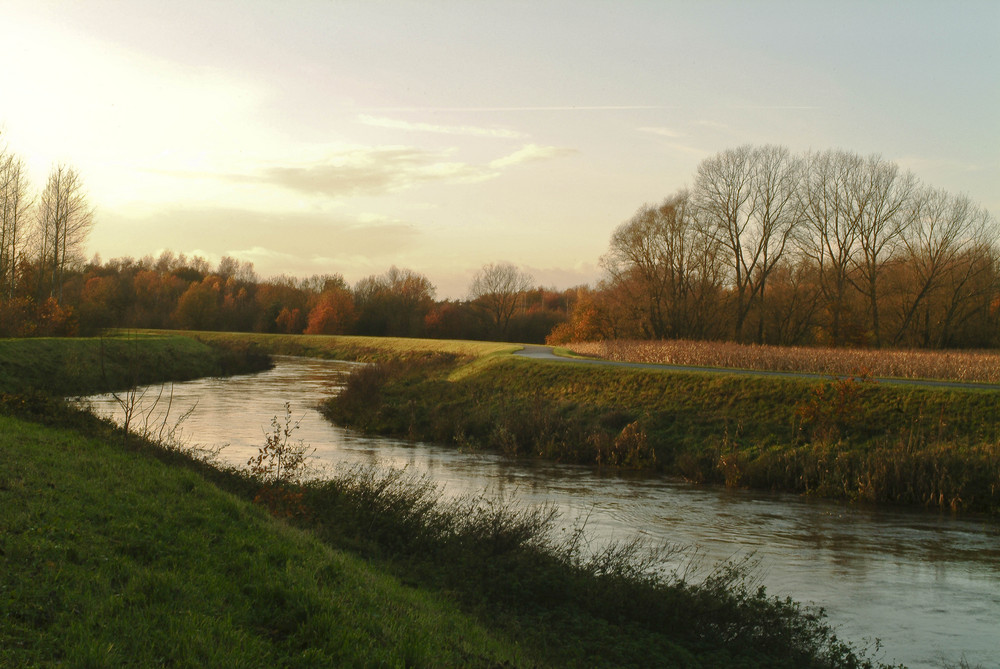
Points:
[(86, 365), (113, 558), (143, 555), (852, 439), (350, 347)]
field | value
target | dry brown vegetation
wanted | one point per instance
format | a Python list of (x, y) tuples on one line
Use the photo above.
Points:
[(972, 366)]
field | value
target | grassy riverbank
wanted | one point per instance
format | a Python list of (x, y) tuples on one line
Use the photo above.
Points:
[(850, 439), (143, 556), (89, 365), (113, 558), (354, 348)]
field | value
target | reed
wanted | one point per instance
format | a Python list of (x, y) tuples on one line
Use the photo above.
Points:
[(970, 366)]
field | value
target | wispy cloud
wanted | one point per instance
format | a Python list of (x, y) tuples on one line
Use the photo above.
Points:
[(367, 171), (379, 170), (664, 132), (715, 125), (670, 133), (531, 153), (469, 130)]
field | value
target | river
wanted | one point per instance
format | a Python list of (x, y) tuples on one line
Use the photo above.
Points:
[(926, 584)]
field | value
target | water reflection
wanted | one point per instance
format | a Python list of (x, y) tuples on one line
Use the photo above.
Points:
[(927, 584)]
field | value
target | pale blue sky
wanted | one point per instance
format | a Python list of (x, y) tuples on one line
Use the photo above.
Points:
[(349, 136)]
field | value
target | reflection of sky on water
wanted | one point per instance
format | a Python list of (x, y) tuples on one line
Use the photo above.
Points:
[(927, 584)]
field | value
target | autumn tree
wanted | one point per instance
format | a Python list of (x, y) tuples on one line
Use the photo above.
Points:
[(198, 307), (333, 312), (495, 290), (393, 304), (154, 297)]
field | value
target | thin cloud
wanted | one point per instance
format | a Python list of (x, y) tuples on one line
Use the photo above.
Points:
[(690, 150), (776, 107), (716, 125), (469, 130), (380, 170), (369, 171), (664, 132), (531, 153), (272, 249)]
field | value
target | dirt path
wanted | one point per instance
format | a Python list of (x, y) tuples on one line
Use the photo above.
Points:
[(545, 353)]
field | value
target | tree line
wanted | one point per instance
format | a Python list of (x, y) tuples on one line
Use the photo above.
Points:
[(829, 248), (47, 288), (174, 291), (824, 248)]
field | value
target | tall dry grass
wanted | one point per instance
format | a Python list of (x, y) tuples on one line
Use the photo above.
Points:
[(972, 366)]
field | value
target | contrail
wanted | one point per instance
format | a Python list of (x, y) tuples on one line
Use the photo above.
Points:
[(515, 109), (568, 108)]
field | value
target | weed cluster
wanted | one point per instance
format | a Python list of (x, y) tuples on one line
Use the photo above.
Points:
[(832, 409), (279, 467)]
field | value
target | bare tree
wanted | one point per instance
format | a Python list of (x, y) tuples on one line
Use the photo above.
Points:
[(496, 288), (667, 265), (64, 221), (829, 236), (945, 232), (880, 201), (14, 204), (748, 199)]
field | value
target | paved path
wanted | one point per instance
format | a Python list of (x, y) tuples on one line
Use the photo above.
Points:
[(545, 353)]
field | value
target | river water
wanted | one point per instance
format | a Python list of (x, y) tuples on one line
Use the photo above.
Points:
[(926, 584)]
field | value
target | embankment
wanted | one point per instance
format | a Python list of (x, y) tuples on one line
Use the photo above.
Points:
[(848, 439)]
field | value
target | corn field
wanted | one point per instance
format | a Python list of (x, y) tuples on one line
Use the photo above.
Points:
[(971, 366)]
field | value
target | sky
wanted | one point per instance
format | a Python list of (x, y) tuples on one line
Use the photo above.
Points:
[(347, 137)]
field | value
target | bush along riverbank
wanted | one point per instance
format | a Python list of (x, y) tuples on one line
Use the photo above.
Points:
[(853, 439), (145, 555)]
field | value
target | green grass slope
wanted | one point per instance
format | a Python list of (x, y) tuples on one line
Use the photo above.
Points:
[(113, 558)]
